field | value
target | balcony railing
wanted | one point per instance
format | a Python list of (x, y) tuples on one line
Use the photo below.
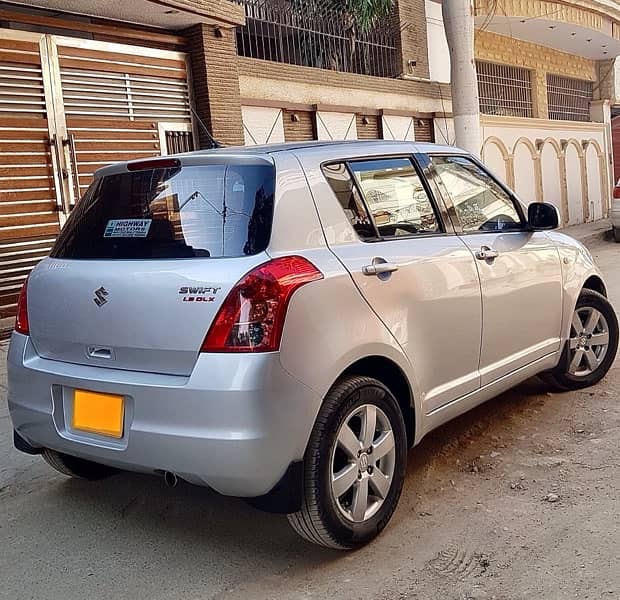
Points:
[(304, 35)]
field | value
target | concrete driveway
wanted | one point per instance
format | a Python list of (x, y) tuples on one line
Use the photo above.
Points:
[(475, 519)]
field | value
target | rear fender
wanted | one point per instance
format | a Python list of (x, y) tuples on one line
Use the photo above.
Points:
[(329, 327)]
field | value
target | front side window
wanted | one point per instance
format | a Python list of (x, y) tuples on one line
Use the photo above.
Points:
[(480, 203)]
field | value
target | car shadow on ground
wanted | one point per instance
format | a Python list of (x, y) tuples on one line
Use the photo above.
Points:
[(130, 504), (135, 504), (506, 415)]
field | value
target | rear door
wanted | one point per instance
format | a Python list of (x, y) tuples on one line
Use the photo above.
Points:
[(418, 277), (145, 261), (520, 271)]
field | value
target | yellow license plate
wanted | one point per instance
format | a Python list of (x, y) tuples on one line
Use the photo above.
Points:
[(98, 413)]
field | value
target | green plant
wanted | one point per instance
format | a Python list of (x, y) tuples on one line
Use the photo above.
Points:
[(362, 15), (357, 17)]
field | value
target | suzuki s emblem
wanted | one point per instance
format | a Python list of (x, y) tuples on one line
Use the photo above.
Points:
[(100, 295)]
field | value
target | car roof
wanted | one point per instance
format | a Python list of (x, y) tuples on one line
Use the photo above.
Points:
[(327, 150), (351, 146)]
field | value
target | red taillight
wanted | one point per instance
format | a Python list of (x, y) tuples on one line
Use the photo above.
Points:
[(252, 316), (21, 322), (617, 192)]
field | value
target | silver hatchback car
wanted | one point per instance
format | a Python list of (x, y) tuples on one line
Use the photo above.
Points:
[(282, 323)]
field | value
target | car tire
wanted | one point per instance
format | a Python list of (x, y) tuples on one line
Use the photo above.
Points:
[(354, 517), (584, 363), (616, 232), (76, 467)]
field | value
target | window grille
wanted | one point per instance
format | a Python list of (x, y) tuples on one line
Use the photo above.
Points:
[(569, 99), (307, 35), (424, 130), (179, 141), (504, 90)]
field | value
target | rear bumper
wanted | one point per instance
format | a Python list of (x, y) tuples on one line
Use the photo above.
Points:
[(235, 424)]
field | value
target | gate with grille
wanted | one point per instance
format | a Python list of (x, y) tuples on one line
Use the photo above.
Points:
[(67, 107)]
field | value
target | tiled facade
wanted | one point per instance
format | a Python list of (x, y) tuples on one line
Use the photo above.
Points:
[(250, 67), (215, 77), (299, 125), (412, 25), (226, 86)]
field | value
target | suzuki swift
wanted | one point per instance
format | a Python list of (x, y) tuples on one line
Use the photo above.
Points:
[(282, 323)]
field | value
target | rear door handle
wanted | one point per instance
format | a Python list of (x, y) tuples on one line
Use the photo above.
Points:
[(99, 352), (379, 267), (486, 253)]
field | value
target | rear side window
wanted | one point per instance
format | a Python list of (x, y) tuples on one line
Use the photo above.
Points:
[(383, 198), (216, 210), (350, 199)]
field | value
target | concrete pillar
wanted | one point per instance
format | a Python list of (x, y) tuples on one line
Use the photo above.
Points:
[(458, 18), (215, 82), (600, 112), (411, 22), (540, 100)]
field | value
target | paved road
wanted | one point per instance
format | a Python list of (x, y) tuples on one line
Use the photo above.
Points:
[(472, 523)]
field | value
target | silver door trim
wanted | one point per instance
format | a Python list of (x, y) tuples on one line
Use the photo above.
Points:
[(60, 126), (512, 377)]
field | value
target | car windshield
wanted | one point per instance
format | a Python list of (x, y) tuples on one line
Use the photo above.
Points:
[(215, 210)]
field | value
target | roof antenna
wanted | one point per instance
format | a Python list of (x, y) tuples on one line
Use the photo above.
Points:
[(205, 130)]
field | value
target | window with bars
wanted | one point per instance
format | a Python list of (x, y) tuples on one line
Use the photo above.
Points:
[(504, 90), (569, 99), (424, 130), (307, 34)]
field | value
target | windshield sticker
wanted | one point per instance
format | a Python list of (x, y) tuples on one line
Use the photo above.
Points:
[(127, 228)]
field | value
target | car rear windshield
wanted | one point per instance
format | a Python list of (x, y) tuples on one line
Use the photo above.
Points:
[(214, 210)]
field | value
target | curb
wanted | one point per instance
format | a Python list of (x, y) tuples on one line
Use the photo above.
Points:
[(599, 231), (601, 236)]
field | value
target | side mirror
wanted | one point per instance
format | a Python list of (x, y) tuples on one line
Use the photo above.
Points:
[(542, 216)]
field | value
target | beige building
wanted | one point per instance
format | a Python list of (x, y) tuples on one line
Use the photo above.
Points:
[(546, 83), (121, 80), (548, 133)]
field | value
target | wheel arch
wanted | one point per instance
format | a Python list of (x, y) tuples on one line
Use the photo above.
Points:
[(286, 496), (392, 376), (595, 283), (589, 281)]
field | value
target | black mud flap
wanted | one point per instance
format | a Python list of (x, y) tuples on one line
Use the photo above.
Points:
[(285, 497)]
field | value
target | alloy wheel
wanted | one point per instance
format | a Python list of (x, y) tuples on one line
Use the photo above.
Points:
[(589, 340), (362, 463)]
